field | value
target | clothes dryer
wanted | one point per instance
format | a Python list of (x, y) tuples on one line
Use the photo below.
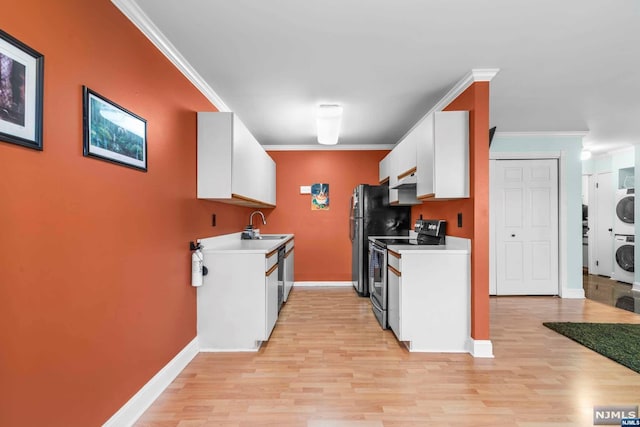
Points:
[(624, 220), (623, 269)]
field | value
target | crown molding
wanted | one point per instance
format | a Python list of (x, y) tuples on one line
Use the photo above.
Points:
[(133, 12), (475, 75), (338, 147)]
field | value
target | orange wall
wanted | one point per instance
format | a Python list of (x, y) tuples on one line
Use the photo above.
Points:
[(94, 261), (323, 247), (475, 209)]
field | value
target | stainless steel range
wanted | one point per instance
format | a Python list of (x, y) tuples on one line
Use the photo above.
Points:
[(429, 232)]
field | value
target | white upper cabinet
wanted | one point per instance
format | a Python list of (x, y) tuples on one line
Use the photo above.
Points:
[(443, 156), (384, 169), (398, 164), (405, 157), (232, 166)]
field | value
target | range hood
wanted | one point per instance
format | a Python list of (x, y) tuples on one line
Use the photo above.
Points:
[(406, 182)]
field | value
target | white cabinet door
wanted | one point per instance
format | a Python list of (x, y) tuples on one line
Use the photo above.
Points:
[(393, 176), (425, 158), (405, 157), (394, 291), (215, 155), (271, 300), (393, 301), (246, 163), (443, 156), (383, 169)]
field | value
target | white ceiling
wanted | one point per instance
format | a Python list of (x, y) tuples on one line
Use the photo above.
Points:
[(565, 66)]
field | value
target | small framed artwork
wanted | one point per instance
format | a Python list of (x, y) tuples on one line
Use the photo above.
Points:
[(320, 197), (21, 90), (112, 133)]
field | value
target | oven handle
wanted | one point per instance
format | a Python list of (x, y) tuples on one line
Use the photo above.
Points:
[(375, 303), (378, 249)]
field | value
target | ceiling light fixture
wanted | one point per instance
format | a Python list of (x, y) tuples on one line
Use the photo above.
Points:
[(585, 155), (329, 118)]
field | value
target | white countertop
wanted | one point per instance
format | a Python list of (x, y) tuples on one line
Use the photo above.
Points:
[(232, 243), (452, 245)]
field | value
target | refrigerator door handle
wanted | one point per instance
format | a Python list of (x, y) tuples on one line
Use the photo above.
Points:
[(351, 219)]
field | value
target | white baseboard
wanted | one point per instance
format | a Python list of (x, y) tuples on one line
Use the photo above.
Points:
[(321, 284), (135, 407), (572, 293), (480, 348)]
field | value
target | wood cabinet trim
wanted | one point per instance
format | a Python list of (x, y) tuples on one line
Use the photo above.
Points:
[(407, 173), (272, 253), (247, 201), (271, 270), (393, 253), (289, 252), (394, 271)]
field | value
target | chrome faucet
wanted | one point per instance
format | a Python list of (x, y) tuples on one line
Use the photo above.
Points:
[(264, 221)]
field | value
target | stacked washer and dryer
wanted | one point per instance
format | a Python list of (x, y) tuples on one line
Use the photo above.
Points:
[(624, 230)]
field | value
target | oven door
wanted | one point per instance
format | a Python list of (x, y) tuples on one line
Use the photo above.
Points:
[(378, 282)]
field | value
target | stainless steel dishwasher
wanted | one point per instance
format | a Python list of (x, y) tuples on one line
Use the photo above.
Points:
[(281, 253)]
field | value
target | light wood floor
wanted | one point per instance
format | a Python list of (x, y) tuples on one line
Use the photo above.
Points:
[(328, 364)]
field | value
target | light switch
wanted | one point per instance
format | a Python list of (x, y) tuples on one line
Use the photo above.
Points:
[(305, 189)]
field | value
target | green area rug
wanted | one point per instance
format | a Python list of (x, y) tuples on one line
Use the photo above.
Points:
[(619, 342)]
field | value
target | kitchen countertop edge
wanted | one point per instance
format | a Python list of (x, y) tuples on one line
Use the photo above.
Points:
[(232, 243), (452, 245)]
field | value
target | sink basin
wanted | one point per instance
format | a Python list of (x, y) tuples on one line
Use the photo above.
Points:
[(270, 237)]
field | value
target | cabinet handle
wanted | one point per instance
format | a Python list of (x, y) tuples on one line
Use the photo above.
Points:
[(513, 235), (271, 270)]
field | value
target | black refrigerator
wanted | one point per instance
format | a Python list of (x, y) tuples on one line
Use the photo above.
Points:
[(371, 215)]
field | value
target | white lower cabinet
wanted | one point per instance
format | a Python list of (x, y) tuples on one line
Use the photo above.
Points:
[(271, 297), (429, 299), (238, 301), (393, 292), (289, 261)]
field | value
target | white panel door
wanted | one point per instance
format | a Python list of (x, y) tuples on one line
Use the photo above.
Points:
[(601, 211), (525, 205)]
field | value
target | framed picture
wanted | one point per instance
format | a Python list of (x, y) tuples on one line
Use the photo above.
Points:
[(320, 197), (113, 133), (21, 80)]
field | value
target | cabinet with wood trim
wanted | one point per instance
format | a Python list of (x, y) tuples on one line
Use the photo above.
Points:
[(401, 162), (442, 165), (238, 300), (429, 297), (232, 166)]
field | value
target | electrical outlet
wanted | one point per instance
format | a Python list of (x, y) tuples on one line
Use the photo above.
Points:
[(459, 219), (213, 220)]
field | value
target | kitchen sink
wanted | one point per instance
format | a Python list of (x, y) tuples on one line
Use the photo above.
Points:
[(270, 237)]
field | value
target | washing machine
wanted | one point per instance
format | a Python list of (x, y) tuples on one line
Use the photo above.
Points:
[(624, 220), (623, 262)]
